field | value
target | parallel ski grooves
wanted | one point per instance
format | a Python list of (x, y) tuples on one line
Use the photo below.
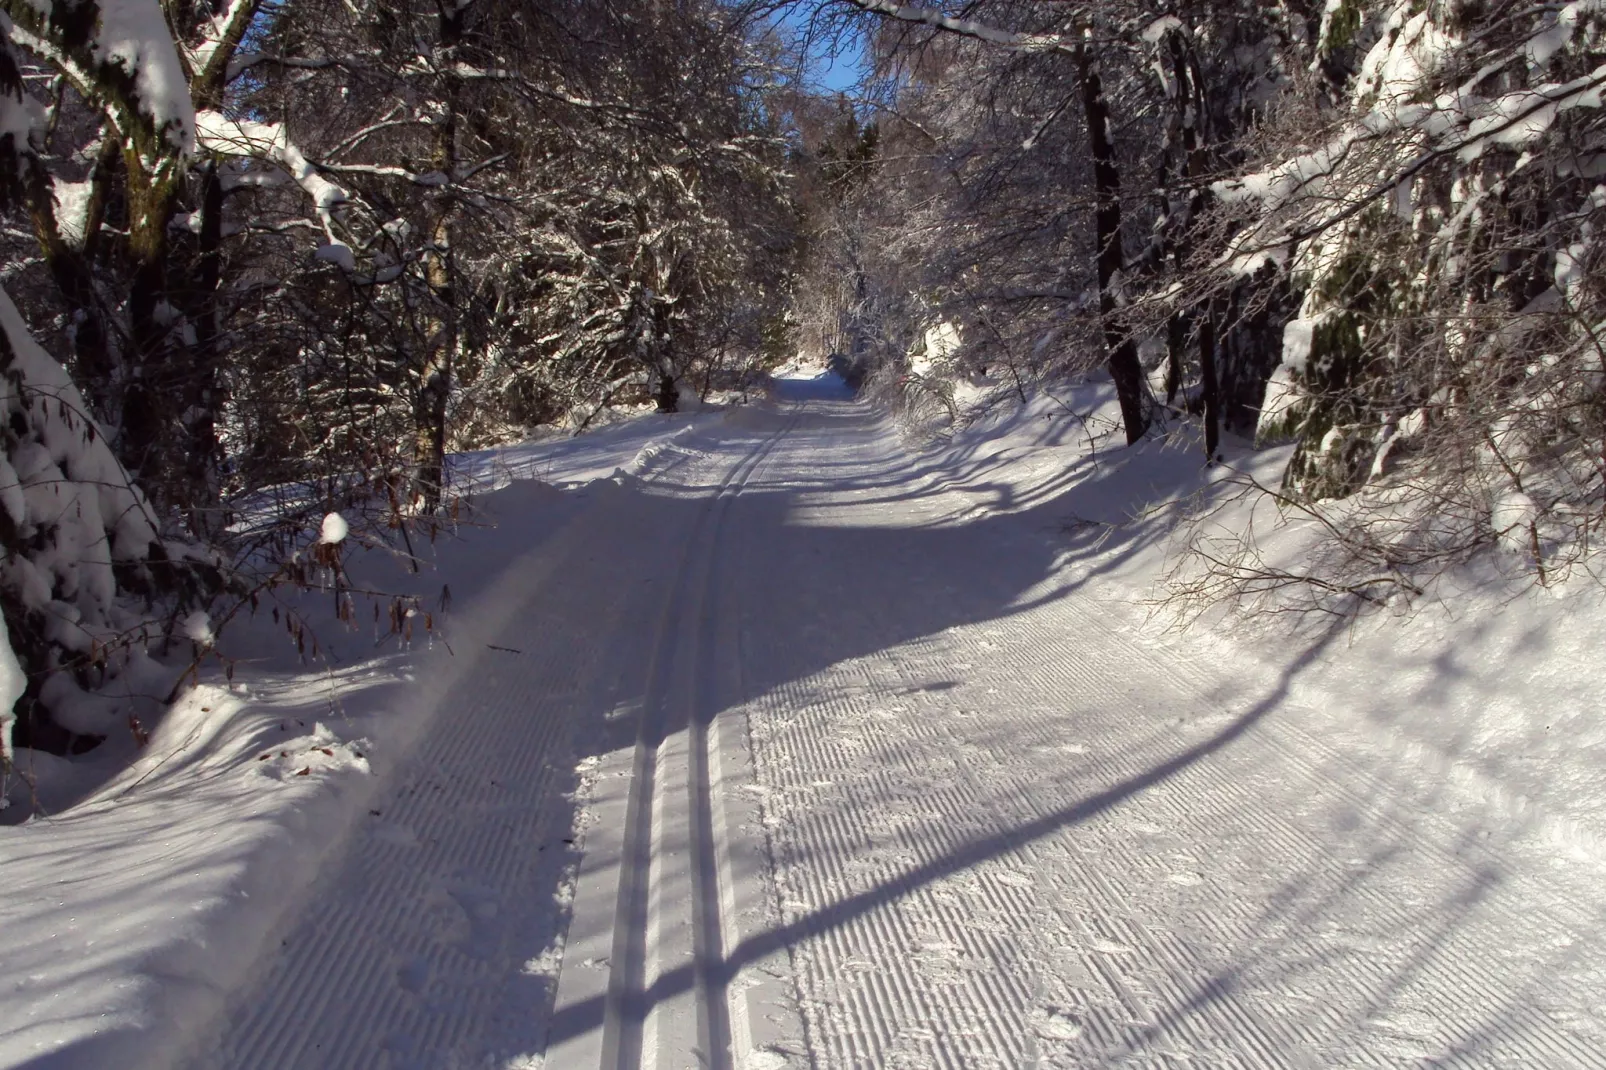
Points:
[(992, 827), (628, 1010)]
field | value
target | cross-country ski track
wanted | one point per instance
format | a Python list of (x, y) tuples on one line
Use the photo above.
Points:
[(791, 749)]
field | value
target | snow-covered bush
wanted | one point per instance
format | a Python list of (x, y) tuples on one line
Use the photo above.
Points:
[(1447, 356), (71, 525), (85, 579), (1413, 188)]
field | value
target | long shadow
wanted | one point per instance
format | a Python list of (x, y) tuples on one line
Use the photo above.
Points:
[(827, 386), (1285, 951), (842, 588), (585, 1016)]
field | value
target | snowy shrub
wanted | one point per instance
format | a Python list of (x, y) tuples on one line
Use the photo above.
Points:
[(71, 525), (1368, 229), (1446, 360), (85, 578)]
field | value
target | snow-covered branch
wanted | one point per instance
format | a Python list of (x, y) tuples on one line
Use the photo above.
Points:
[(270, 142), (129, 61), (926, 16)]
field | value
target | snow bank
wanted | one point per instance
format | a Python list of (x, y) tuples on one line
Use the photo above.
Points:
[(1487, 680), (131, 913), (140, 907)]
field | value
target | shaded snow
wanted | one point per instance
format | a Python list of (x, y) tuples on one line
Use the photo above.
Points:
[(955, 758)]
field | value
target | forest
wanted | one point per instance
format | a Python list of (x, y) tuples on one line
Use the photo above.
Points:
[(270, 260)]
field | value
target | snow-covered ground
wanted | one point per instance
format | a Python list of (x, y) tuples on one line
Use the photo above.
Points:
[(754, 738)]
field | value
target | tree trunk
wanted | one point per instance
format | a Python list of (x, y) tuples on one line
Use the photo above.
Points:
[(668, 393), (435, 378), (155, 375), (1122, 352), (203, 396), (1176, 340), (72, 269), (1190, 108), (1210, 389), (435, 375)]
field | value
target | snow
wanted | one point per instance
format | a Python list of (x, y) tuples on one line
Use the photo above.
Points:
[(1024, 42), (339, 254), (75, 515), (215, 29), (134, 35), (12, 498), (942, 341), (1298, 336), (270, 141), (1569, 274), (65, 472), (197, 628), (1512, 516), (12, 683), (860, 756), (333, 530), (1157, 29), (1414, 47), (18, 112), (1558, 34), (1402, 118)]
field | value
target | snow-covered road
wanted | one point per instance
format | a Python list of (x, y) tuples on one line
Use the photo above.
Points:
[(790, 754)]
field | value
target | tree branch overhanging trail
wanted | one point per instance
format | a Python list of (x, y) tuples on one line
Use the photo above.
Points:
[(314, 247), (319, 249), (925, 16)]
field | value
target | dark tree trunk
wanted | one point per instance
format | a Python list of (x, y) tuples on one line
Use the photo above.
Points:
[(1176, 342), (1122, 352), (435, 380), (72, 270), (429, 415), (435, 377), (1189, 110), (1207, 375), (153, 391), (662, 356), (668, 393), (204, 395)]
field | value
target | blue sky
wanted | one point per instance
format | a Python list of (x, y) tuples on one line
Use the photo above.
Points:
[(834, 74), (842, 73)]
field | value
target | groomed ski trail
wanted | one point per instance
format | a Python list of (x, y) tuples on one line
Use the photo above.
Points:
[(651, 905), (1008, 831), (789, 761), (436, 940)]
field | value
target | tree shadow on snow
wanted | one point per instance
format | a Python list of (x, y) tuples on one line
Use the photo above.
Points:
[(460, 942)]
